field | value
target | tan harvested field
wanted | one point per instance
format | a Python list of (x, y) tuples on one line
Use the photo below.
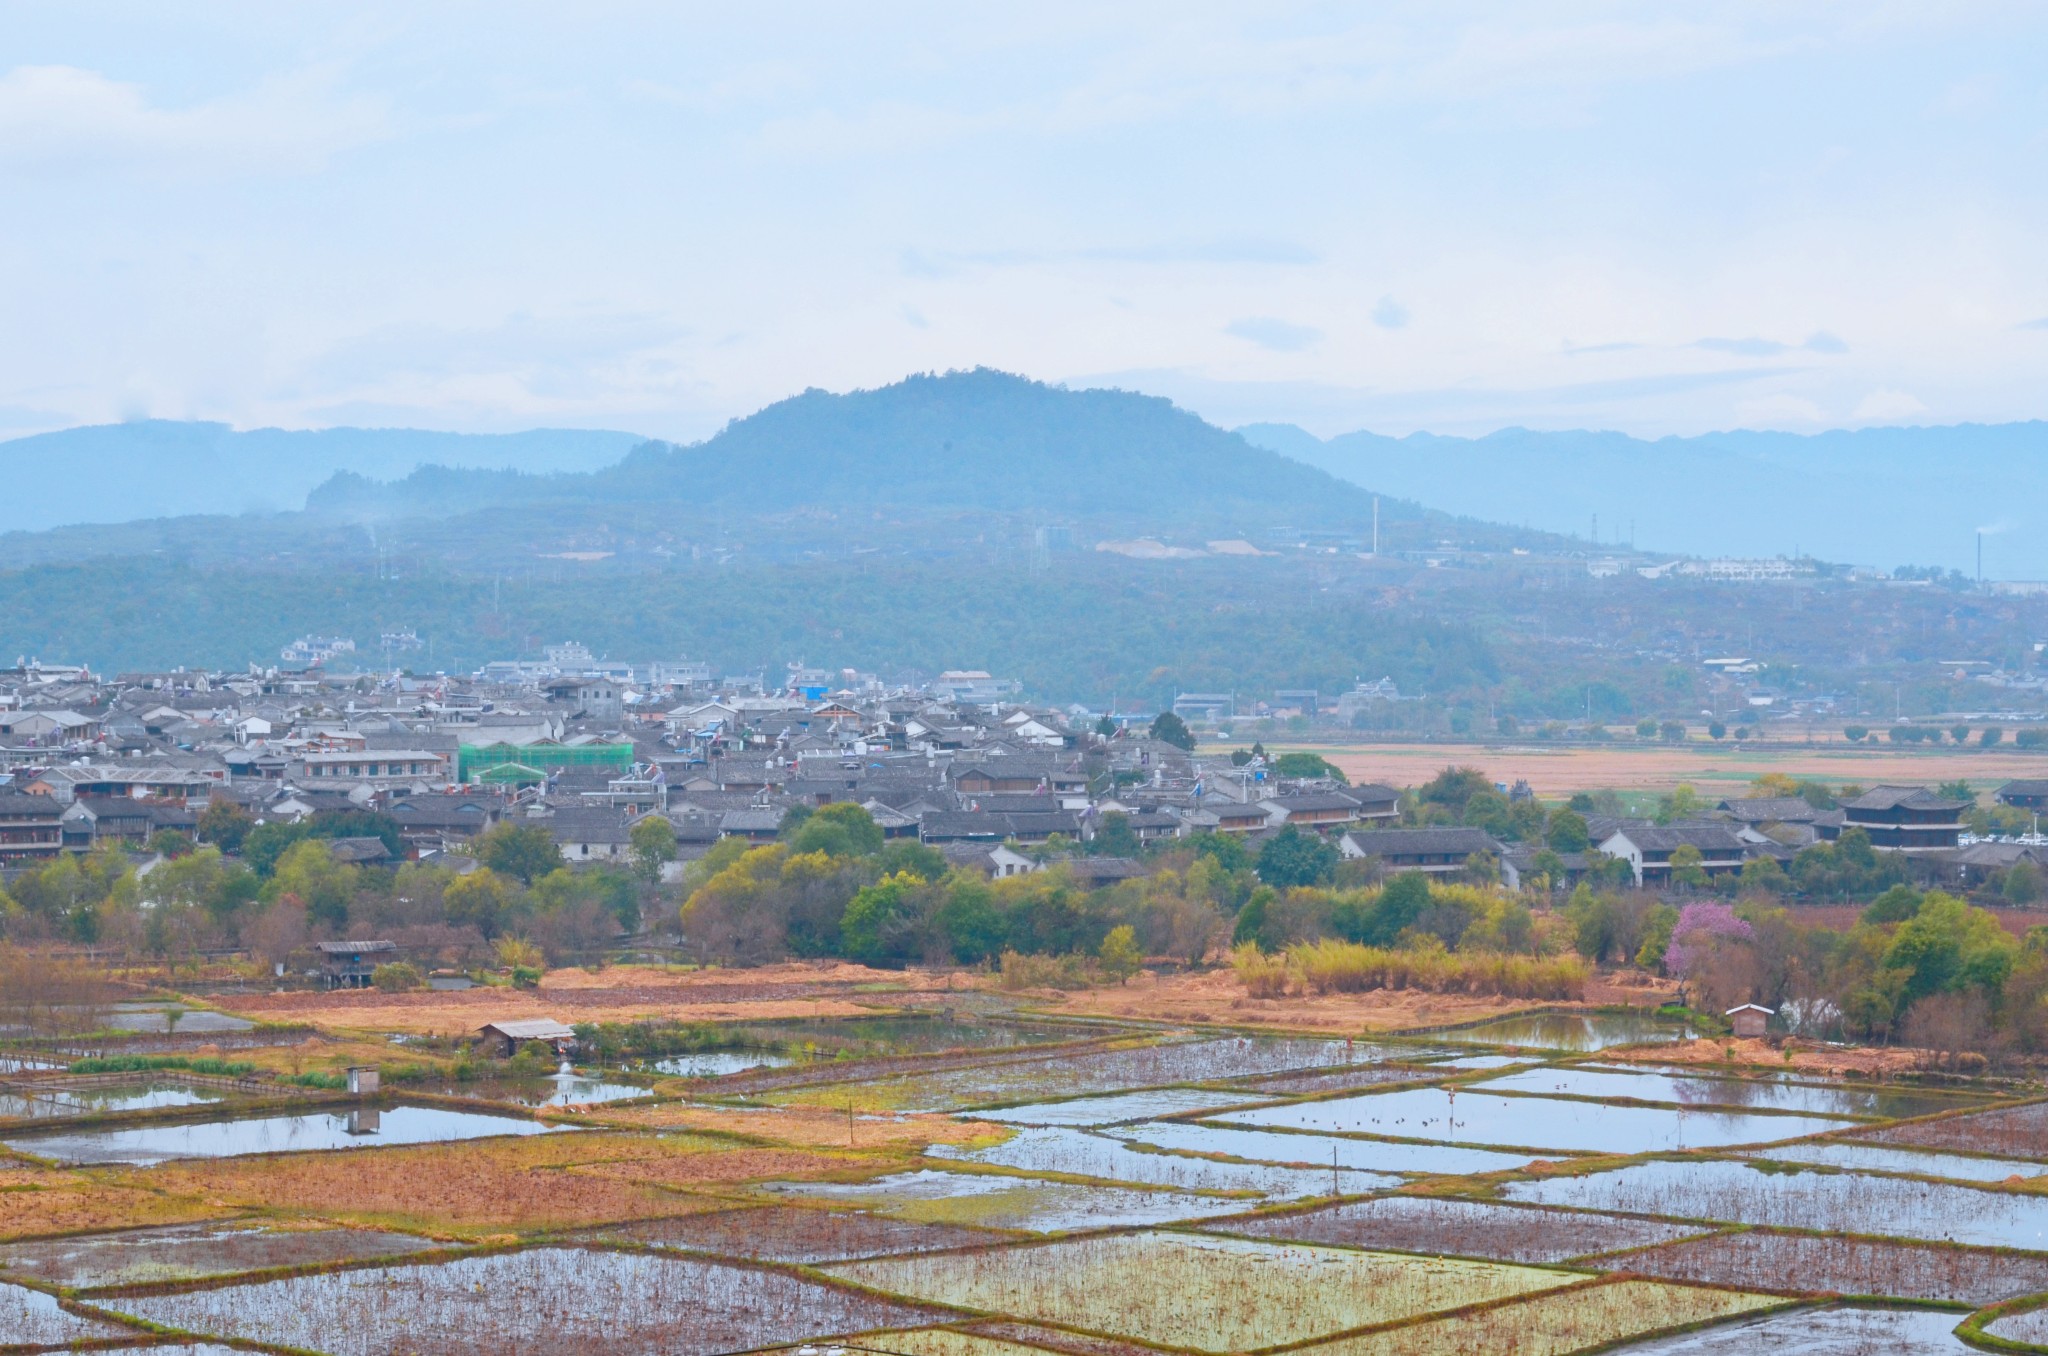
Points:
[(815, 1127), (618, 994), (1218, 996), (1843, 1061), (36, 1202), (478, 1188), (1557, 771)]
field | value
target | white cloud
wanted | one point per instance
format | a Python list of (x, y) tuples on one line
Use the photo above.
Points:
[(1888, 407), (65, 119), (1281, 336)]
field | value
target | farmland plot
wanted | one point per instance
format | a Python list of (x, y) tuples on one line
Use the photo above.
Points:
[(1472, 1117), (190, 1251), (1818, 1332), (1842, 1266), (536, 1303), (1833, 1202), (1758, 1094), (1555, 1324), (1078, 1153), (1211, 1294), (776, 1233), (1504, 1233), (996, 1201), (31, 1318), (2014, 1132)]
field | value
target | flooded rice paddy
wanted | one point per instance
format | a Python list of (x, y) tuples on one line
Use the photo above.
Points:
[(1208, 1294), (1468, 1116), (1140, 1188), (1002, 1201), (1832, 1202), (367, 1127), (1504, 1233), (1755, 1094), (1079, 1153), (1574, 1033), (183, 1252), (540, 1302)]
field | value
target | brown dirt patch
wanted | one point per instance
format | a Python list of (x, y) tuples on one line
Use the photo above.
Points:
[(1216, 996), (36, 1205), (1857, 1061), (476, 1189), (812, 1127), (730, 1167)]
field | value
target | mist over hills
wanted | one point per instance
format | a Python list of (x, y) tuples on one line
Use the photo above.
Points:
[(1880, 496), (160, 468)]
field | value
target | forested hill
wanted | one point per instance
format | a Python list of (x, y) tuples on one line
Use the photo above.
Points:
[(161, 468), (972, 440), (1877, 496)]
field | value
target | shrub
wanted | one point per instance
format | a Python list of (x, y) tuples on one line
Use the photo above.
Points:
[(397, 977), (1023, 971), (1263, 976), (1330, 966), (526, 976)]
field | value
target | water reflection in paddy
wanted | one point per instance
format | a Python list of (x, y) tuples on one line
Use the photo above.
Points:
[(717, 1063), (1918, 1162), (1319, 1151), (1080, 1153), (353, 1129), (55, 1102), (1763, 1094), (1574, 1031), (1471, 1117), (1818, 1332), (1742, 1193)]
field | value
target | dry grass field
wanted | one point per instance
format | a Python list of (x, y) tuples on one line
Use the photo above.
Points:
[(1219, 996), (1556, 771), (622, 993)]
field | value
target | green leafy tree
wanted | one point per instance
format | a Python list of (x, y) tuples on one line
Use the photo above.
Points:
[(970, 919), (876, 924), (1119, 954), (308, 871), (1226, 850), (1895, 905), (1254, 921), (1291, 857), (1169, 728), (1453, 788), (1716, 731), (1686, 867), (841, 829), (224, 824), (1566, 831), (524, 852), (1105, 727), (1855, 734), (653, 842), (1991, 736), (1114, 836), (1309, 765), (483, 899)]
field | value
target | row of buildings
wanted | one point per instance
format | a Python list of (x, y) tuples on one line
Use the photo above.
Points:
[(584, 749)]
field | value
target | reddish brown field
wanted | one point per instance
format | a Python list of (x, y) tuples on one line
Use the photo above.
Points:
[(617, 994), (1558, 772), (1218, 996)]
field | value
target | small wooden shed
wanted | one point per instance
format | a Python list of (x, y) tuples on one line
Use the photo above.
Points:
[(505, 1038), (1749, 1020)]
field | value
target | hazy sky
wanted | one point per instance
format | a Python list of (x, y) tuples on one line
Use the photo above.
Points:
[(1662, 218)]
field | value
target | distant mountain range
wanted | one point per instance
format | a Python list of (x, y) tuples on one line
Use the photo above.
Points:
[(157, 468), (963, 440), (1883, 497)]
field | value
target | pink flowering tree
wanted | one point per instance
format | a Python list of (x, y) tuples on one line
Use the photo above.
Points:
[(1702, 931)]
